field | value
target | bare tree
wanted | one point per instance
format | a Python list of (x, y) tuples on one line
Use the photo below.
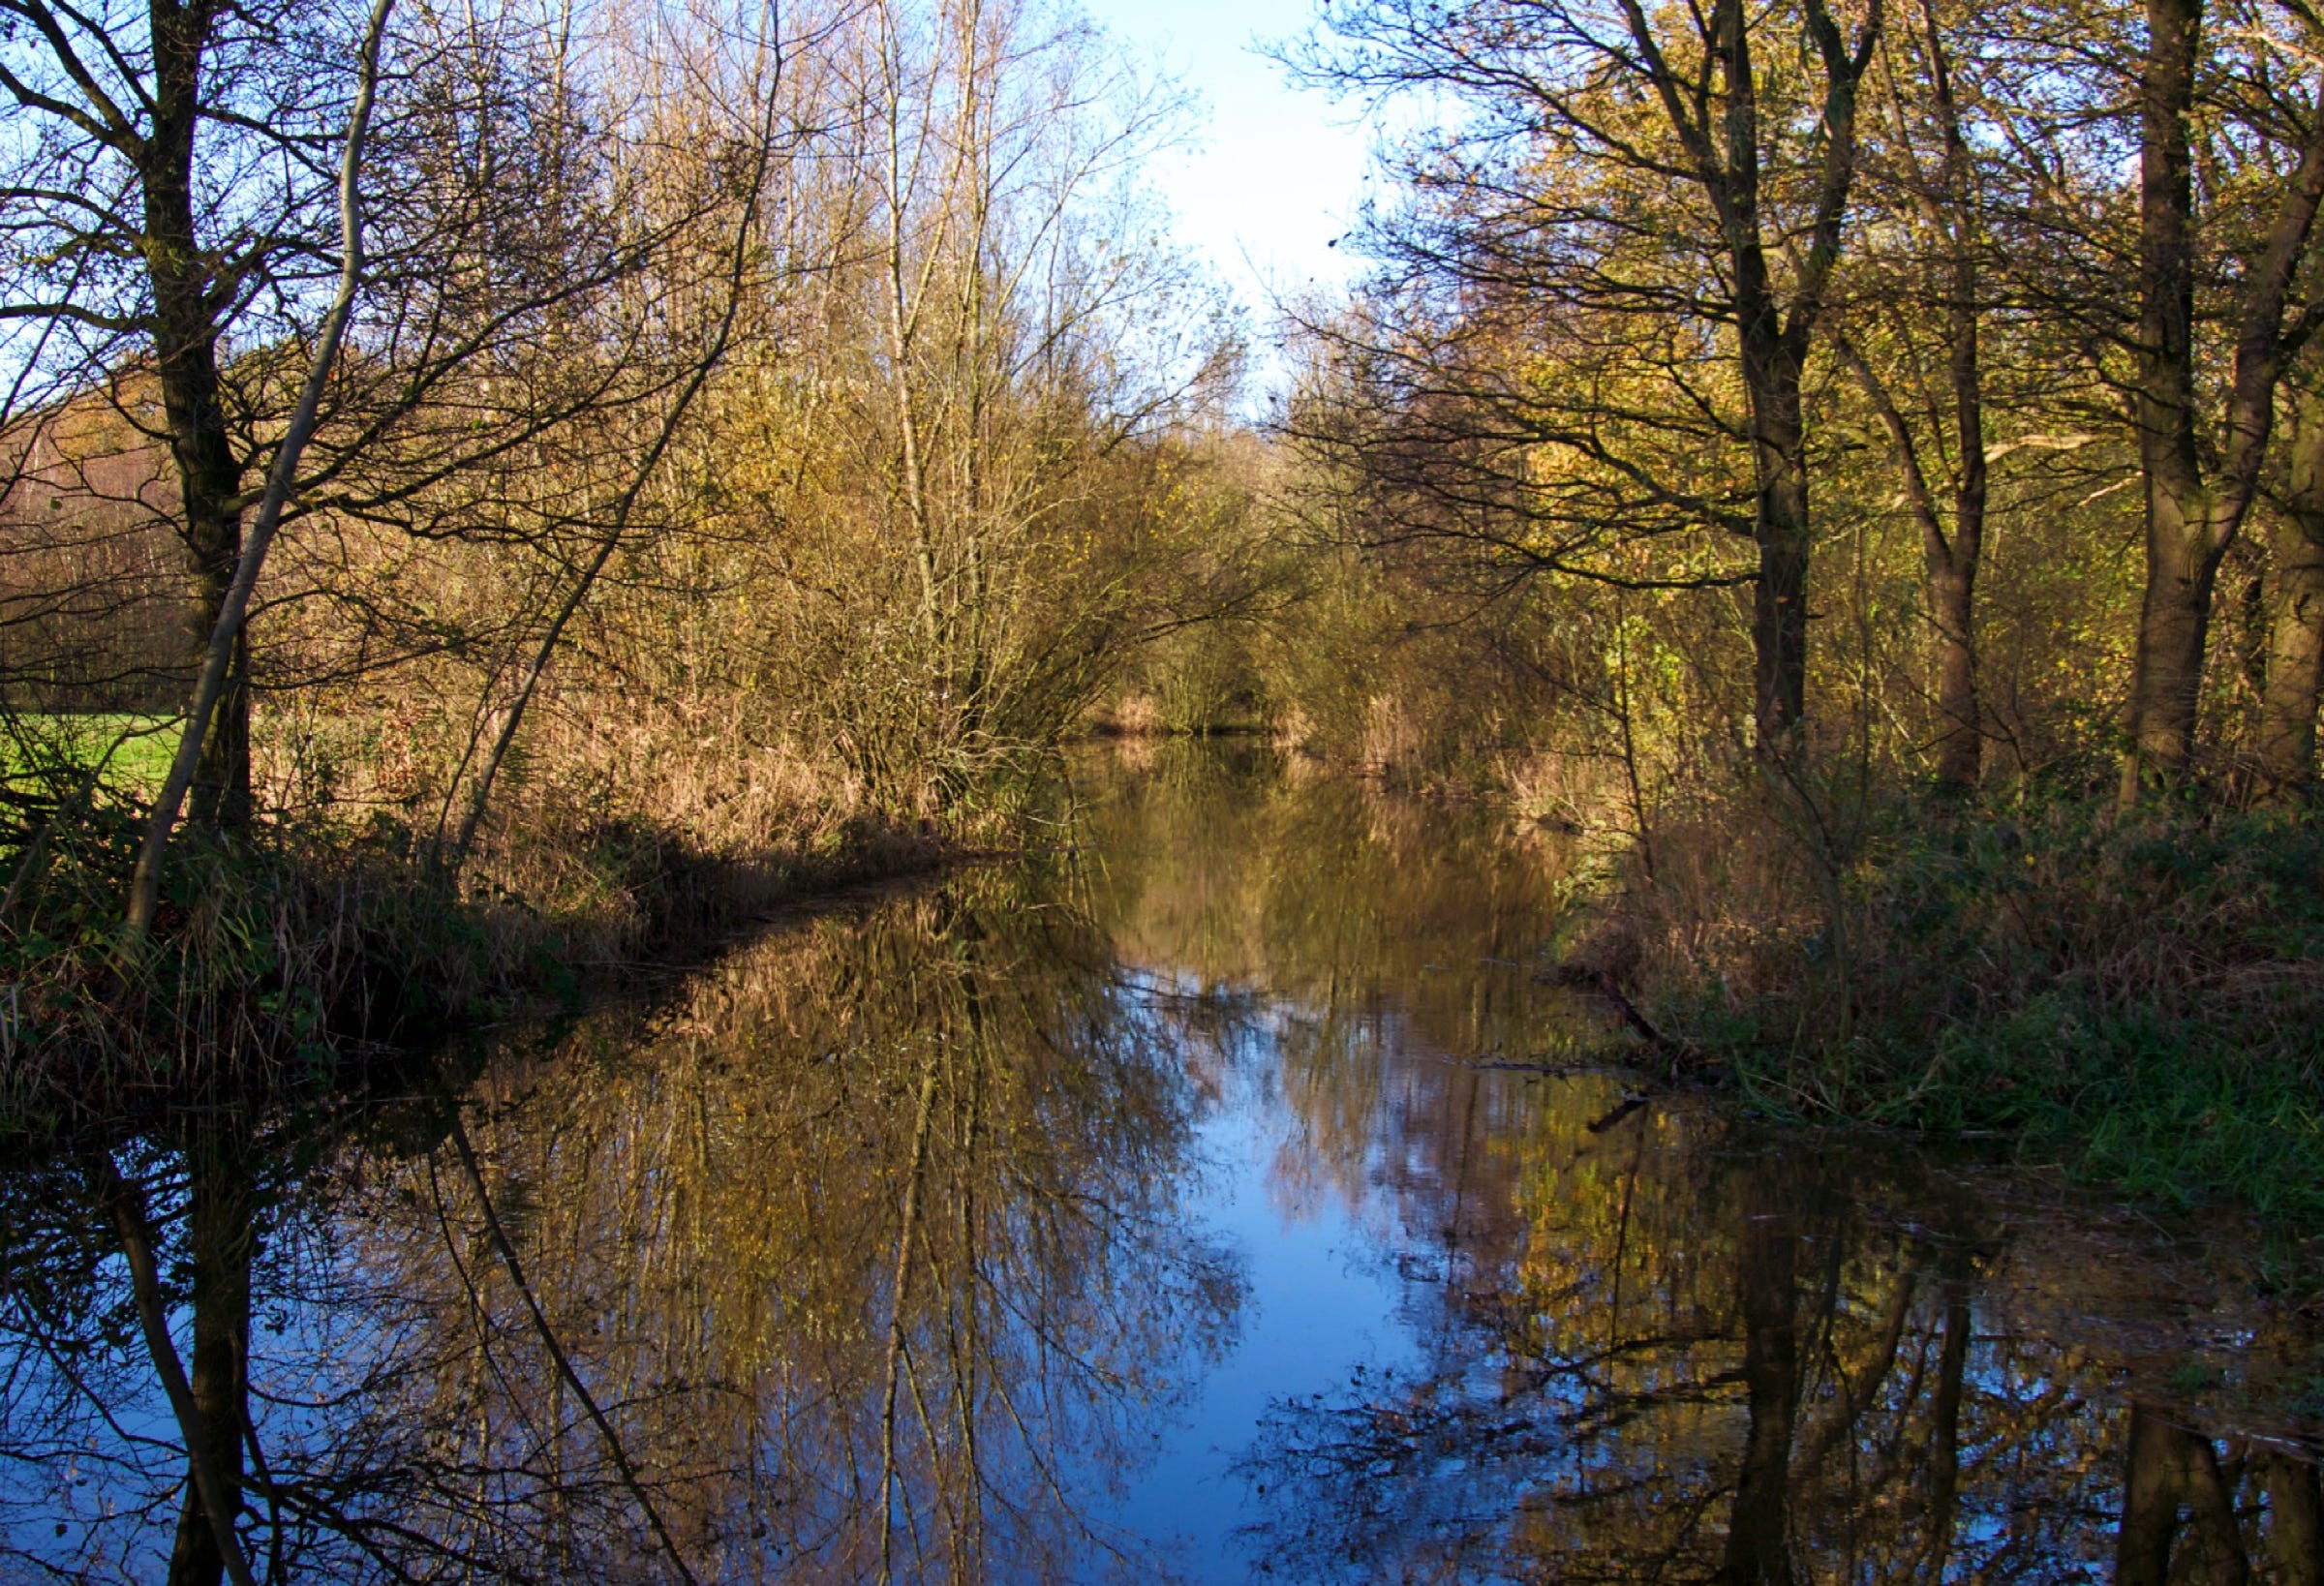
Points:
[(227, 647), (760, 140), (538, 284), (2295, 671), (167, 172)]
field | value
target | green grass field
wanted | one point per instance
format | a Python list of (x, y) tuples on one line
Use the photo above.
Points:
[(134, 749)]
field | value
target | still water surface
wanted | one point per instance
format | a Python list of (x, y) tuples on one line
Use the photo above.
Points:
[(1219, 1200)]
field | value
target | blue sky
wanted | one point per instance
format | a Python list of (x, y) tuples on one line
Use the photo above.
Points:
[(1277, 171)]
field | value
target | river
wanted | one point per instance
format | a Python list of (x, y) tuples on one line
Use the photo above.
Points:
[(1217, 1194)]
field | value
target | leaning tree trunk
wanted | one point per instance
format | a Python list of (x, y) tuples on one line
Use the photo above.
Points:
[(185, 335), (2287, 715)]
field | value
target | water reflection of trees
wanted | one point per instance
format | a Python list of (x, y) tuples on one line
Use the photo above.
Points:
[(1714, 1361), (863, 1253), (1377, 952), (1660, 1350), (857, 1259)]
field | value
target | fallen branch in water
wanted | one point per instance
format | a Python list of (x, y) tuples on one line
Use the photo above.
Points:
[(1555, 1071), (1585, 977)]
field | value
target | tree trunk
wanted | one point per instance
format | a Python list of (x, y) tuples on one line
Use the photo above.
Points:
[(1772, 338), (2190, 521), (1779, 626), (185, 337), (1952, 563), (211, 1406), (1779, 620), (2287, 719), (1770, 366), (1960, 745), (2174, 626), (2175, 616)]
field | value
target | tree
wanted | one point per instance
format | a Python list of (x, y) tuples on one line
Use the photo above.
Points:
[(539, 256), (227, 650), (2295, 669), (1667, 169), (168, 174), (1932, 197), (2195, 511), (959, 523)]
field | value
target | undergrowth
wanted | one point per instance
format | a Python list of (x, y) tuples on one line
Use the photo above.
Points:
[(2141, 1001)]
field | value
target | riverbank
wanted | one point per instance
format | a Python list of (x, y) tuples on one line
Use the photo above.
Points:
[(2140, 1001), (282, 958), (2137, 1000)]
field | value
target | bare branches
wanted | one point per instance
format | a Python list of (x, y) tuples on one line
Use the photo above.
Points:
[(746, 238)]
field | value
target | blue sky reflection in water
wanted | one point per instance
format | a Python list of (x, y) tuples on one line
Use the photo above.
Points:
[(1318, 1304), (1188, 1206)]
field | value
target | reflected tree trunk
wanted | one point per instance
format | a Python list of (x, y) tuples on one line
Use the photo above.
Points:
[(1759, 1550), (2295, 1519), (220, 1239), (1944, 1434), (210, 1402), (2174, 1487), (899, 1352)]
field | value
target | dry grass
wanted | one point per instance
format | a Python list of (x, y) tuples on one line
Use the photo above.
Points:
[(640, 833), (1585, 794), (1136, 715), (618, 835), (1390, 743)]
